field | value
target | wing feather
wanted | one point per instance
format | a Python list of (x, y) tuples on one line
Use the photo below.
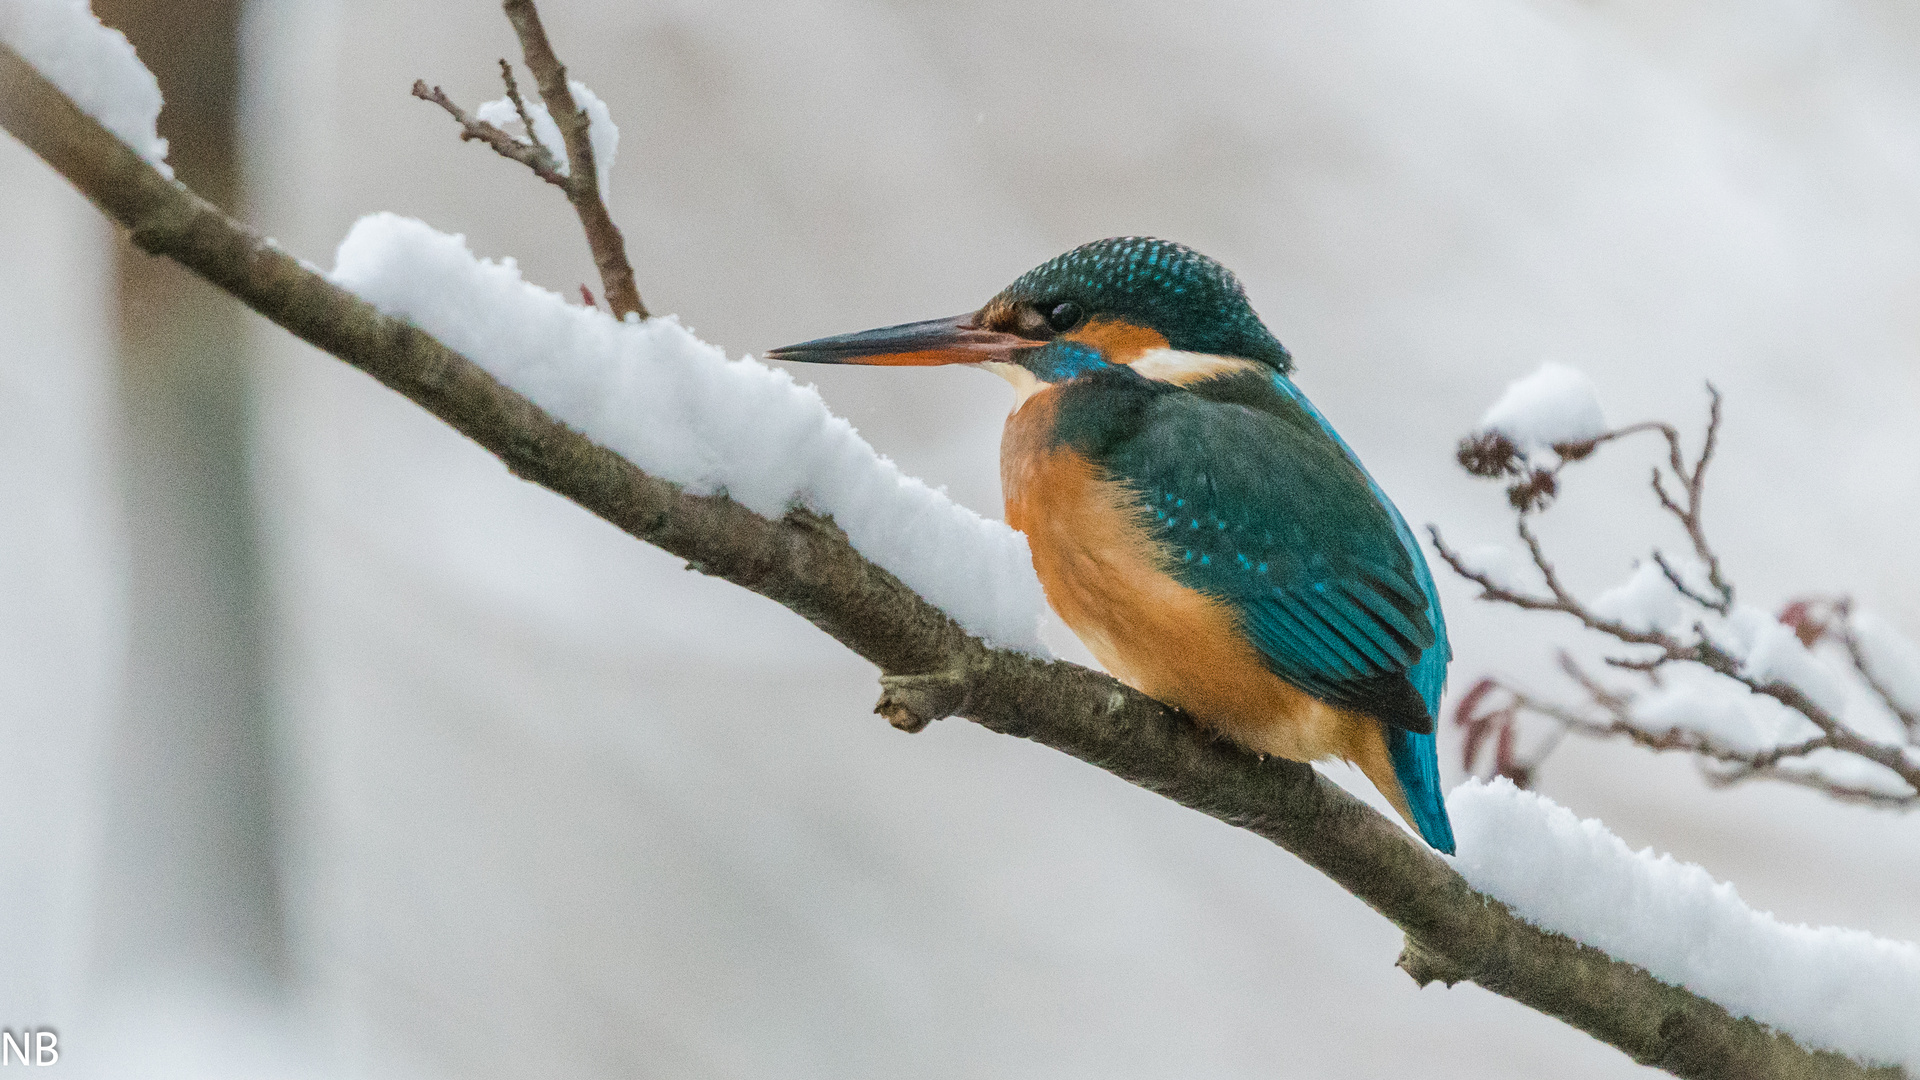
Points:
[(1263, 511)]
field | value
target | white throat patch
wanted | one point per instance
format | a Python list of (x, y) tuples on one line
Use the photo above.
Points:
[(1025, 383), (1182, 368)]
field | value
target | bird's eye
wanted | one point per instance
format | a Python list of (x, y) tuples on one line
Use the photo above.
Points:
[(1065, 316)]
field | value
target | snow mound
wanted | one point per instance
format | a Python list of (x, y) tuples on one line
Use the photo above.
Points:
[(1829, 988), (678, 408), (1552, 407), (92, 64)]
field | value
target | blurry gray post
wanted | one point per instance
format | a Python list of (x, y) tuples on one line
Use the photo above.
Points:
[(188, 888)]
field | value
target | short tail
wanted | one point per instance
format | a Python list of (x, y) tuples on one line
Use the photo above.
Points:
[(1416, 764)]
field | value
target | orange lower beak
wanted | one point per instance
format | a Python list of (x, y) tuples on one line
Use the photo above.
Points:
[(959, 340)]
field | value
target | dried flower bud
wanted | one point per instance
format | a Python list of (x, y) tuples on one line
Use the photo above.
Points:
[(1489, 454), (1805, 620), (1535, 492)]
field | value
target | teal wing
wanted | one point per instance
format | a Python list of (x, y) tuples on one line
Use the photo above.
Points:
[(1273, 518), (1416, 759), (1256, 500)]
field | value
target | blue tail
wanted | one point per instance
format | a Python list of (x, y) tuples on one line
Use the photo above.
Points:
[(1416, 758), (1417, 766)]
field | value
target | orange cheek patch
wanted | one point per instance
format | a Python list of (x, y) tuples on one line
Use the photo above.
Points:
[(1117, 340)]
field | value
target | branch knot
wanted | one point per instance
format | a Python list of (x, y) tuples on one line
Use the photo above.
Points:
[(911, 702), (1427, 966)]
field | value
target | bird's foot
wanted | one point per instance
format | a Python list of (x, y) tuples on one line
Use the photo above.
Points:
[(911, 702)]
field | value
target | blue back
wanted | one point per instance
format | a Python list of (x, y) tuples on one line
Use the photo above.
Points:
[(1416, 759)]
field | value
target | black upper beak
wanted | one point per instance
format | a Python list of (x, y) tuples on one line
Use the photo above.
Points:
[(959, 340)]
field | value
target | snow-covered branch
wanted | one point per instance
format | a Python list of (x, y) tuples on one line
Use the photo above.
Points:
[(641, 424), (1820, 695)]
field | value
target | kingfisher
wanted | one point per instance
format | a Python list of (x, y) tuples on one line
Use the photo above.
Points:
[(1194, 519)]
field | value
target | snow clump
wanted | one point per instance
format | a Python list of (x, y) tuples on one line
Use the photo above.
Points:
[(1843, 990), (678, 408), (602, 134), (94, 65), (1555, 406)]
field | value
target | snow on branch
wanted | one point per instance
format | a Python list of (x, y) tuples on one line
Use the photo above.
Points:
[(537, 125), (539, 146), (678, 408), (1819, 695), (94, 65), (1825, 986)]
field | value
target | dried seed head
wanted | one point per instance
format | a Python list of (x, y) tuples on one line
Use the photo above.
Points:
[(1534, 492), (1489, 454)]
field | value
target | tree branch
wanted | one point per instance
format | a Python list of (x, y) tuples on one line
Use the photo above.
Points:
[(804, 562)]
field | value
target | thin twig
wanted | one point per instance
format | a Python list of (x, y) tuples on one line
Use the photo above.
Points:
[(519, 103), (527, 152), (1850, 641), (583, 183)]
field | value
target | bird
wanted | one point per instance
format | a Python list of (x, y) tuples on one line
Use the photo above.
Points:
[(1194, 519)]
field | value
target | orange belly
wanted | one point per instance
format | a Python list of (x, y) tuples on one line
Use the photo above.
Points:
[(1108, 581)]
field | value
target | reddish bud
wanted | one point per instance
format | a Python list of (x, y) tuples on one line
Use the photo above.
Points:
[(1803, 616)]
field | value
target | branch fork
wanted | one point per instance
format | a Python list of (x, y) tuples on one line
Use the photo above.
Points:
[(911, 702), (581, 181)]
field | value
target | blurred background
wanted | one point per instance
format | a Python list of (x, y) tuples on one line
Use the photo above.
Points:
[(333, 750)]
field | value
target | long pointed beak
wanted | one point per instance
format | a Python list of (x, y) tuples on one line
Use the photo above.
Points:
[(958, 340)]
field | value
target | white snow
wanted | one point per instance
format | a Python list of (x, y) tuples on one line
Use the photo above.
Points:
[(1647, 601), (1692, 698), (679, 409), (1891, 656), (1829, 988), (1772, 653), (602, 134), (1551, 407), (92, 64), (1504, 565)]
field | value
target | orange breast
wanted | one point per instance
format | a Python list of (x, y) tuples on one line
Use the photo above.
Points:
[(1110, 583)]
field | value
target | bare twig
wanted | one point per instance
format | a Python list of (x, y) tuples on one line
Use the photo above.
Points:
[(804, 562), (583, 183), (527, 151), (519, 103), (579, 178)]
